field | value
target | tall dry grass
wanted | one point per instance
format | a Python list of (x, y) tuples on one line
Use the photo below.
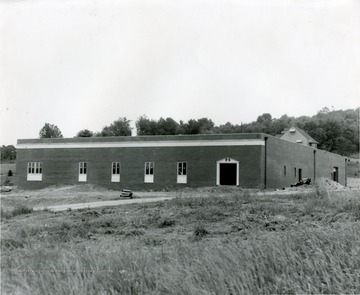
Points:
[(306, 261), (236, 243)]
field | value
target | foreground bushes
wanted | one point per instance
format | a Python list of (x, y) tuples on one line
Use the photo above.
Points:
[(18, 210)]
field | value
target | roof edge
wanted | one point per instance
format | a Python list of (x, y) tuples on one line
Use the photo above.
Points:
[(145, 138)]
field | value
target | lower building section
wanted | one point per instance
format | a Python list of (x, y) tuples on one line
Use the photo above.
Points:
[(146, 168)]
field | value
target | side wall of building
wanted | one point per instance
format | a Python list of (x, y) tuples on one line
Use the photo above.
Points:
[(286, 161), (61, 166)]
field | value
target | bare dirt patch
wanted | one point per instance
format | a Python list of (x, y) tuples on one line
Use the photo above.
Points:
[(71, 194), (74, 194)]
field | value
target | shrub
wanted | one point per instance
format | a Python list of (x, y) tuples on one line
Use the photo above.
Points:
[(200, 231), (19, 210), (10, 173), (134, 232), (5, 214), (165, 222), (22, 209)]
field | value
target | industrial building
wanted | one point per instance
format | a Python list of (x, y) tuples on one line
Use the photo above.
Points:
[(157, 162)]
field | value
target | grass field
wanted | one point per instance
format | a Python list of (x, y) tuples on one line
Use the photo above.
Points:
[(213, 241)]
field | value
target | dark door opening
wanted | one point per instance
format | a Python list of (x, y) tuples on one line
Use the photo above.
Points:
[(336, 174), (228, 173), (300, 175)]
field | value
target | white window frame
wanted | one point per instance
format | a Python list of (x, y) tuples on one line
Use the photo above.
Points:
[(182, 169), (82, 171), (115, 171), (149, 172), (34, 171)]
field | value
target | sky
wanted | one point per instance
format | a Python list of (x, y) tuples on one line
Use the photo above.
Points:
[(82, 64)]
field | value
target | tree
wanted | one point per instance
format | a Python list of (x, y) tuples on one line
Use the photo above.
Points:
[(8, 153), (265, 118), (120, 127), (336, 131), (181, 128), (85, 133), (50, 131), (192, 127), (206, 126), (264, 121), (278, 125), (324, 110), (145, 126), (167, 126), (228, 128), (200, 126)]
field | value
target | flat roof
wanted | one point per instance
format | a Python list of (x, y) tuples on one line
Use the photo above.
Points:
[(145, 141), (145, 138)]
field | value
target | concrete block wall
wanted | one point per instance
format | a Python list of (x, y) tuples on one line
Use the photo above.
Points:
[(326, 161), (282, 153)]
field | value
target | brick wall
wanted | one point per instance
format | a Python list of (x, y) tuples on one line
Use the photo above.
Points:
[(60, 166)]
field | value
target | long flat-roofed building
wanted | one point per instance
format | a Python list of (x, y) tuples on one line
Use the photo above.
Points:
[(155, 162)]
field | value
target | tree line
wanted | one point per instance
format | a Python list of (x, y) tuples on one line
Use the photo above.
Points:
[(8, 153), (336, 131)]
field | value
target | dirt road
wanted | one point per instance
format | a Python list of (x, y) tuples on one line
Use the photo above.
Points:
[(136, 201), (102, 204)]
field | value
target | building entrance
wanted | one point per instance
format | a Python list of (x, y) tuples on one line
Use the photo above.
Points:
[(335, 175), (228, 174)]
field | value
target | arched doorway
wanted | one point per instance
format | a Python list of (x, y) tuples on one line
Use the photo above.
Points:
[(227, 172)]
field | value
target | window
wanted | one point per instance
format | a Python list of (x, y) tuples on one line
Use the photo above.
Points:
[(82, 171), (115, 172), (149, 168), (149, 172), (284, 170), (34, 171), (295, 172), (181, 172)]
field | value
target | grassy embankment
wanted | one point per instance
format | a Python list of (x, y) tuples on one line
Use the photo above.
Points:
[(232, 242)]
